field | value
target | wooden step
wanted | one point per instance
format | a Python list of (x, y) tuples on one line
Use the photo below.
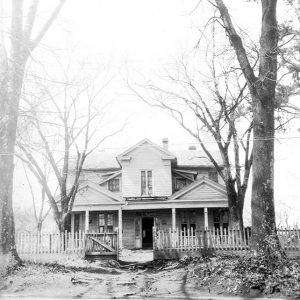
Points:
[(101, 255)]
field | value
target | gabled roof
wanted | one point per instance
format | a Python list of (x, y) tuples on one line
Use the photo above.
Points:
[(99, 189), (168, 155), (196, 158), (102, 160), (220, 189)]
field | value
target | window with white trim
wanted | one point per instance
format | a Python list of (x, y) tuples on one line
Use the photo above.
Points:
[(114, 185), (106, 222), (146, 183), (180, 183), (213, 175)]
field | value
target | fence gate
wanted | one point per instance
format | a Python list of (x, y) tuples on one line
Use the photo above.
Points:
[(101, 245)]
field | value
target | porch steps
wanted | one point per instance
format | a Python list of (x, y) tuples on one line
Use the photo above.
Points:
[(101, 256)]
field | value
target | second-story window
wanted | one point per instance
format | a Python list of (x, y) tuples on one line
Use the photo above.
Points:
[(114, 185), (146, 183), (213, 175), (180, 183)]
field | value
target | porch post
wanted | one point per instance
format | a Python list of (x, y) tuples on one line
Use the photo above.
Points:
[(173, 218), (120, 229), (87, 219), (205, 218), (72, 222)]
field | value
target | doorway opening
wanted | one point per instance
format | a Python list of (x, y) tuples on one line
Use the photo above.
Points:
[(147, 232)]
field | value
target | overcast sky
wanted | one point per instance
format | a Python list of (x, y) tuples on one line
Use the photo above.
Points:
[(140, 37)]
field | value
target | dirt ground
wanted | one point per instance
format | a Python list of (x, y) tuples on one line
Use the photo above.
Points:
[(108, 280), (99, 281)]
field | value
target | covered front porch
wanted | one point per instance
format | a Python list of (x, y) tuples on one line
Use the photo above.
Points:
[(135, 226)]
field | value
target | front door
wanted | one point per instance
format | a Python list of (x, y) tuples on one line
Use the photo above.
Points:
[(147, 232)]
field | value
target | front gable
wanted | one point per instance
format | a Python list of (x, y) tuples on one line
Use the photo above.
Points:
[(147, 158), (90, 193), (145, 145), (202, 190)]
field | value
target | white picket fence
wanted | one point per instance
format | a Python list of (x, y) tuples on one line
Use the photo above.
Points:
[(55, 243), (171, 243)]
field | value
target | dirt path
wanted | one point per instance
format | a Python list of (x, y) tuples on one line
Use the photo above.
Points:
[(100, 282), (106, 281)]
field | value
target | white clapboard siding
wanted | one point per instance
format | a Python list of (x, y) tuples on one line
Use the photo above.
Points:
[(146, 157), (204, 192)]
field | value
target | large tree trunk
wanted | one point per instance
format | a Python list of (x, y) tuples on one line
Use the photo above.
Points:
[(264, 236), (262, 204), (11, 80), (262, 88), (9, 106)]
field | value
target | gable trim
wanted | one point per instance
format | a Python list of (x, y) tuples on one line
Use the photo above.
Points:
[(123, 155), (99, 189), (196, 184)]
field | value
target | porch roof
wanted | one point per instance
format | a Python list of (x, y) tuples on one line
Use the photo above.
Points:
[(202, 189), (90, 194)]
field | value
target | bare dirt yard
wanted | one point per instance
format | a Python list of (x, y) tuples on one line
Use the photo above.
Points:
[(77, 278), (102, 280)]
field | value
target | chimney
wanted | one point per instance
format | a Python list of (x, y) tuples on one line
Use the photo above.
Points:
[(165, 143), (192, 147)]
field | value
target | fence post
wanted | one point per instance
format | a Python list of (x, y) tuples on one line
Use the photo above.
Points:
[(204, 241)]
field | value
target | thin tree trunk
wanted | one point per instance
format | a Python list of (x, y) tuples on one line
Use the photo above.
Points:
[(235, 204), (39, 227)]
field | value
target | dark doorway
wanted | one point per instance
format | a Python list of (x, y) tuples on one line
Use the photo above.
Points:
[(147, 233)]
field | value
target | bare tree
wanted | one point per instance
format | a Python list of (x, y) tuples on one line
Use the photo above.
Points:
[(214, 102), (39, 213), (69, 126), (262, 89), (24, 35)]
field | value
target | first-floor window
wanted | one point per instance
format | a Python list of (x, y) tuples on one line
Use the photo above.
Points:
[(110, 223), (106, 222), (146, 183), (101, 223)]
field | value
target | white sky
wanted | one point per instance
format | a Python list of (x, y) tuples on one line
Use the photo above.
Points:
[(139, 36)]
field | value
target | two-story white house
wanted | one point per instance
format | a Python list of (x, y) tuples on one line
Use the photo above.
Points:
[(146, 186)]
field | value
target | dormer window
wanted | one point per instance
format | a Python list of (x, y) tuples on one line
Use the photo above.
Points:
[(146, 183), (114, 185)]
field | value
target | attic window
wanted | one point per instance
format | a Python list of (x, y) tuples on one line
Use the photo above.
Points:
[(114, 185), (213, 175), (146, 183)]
